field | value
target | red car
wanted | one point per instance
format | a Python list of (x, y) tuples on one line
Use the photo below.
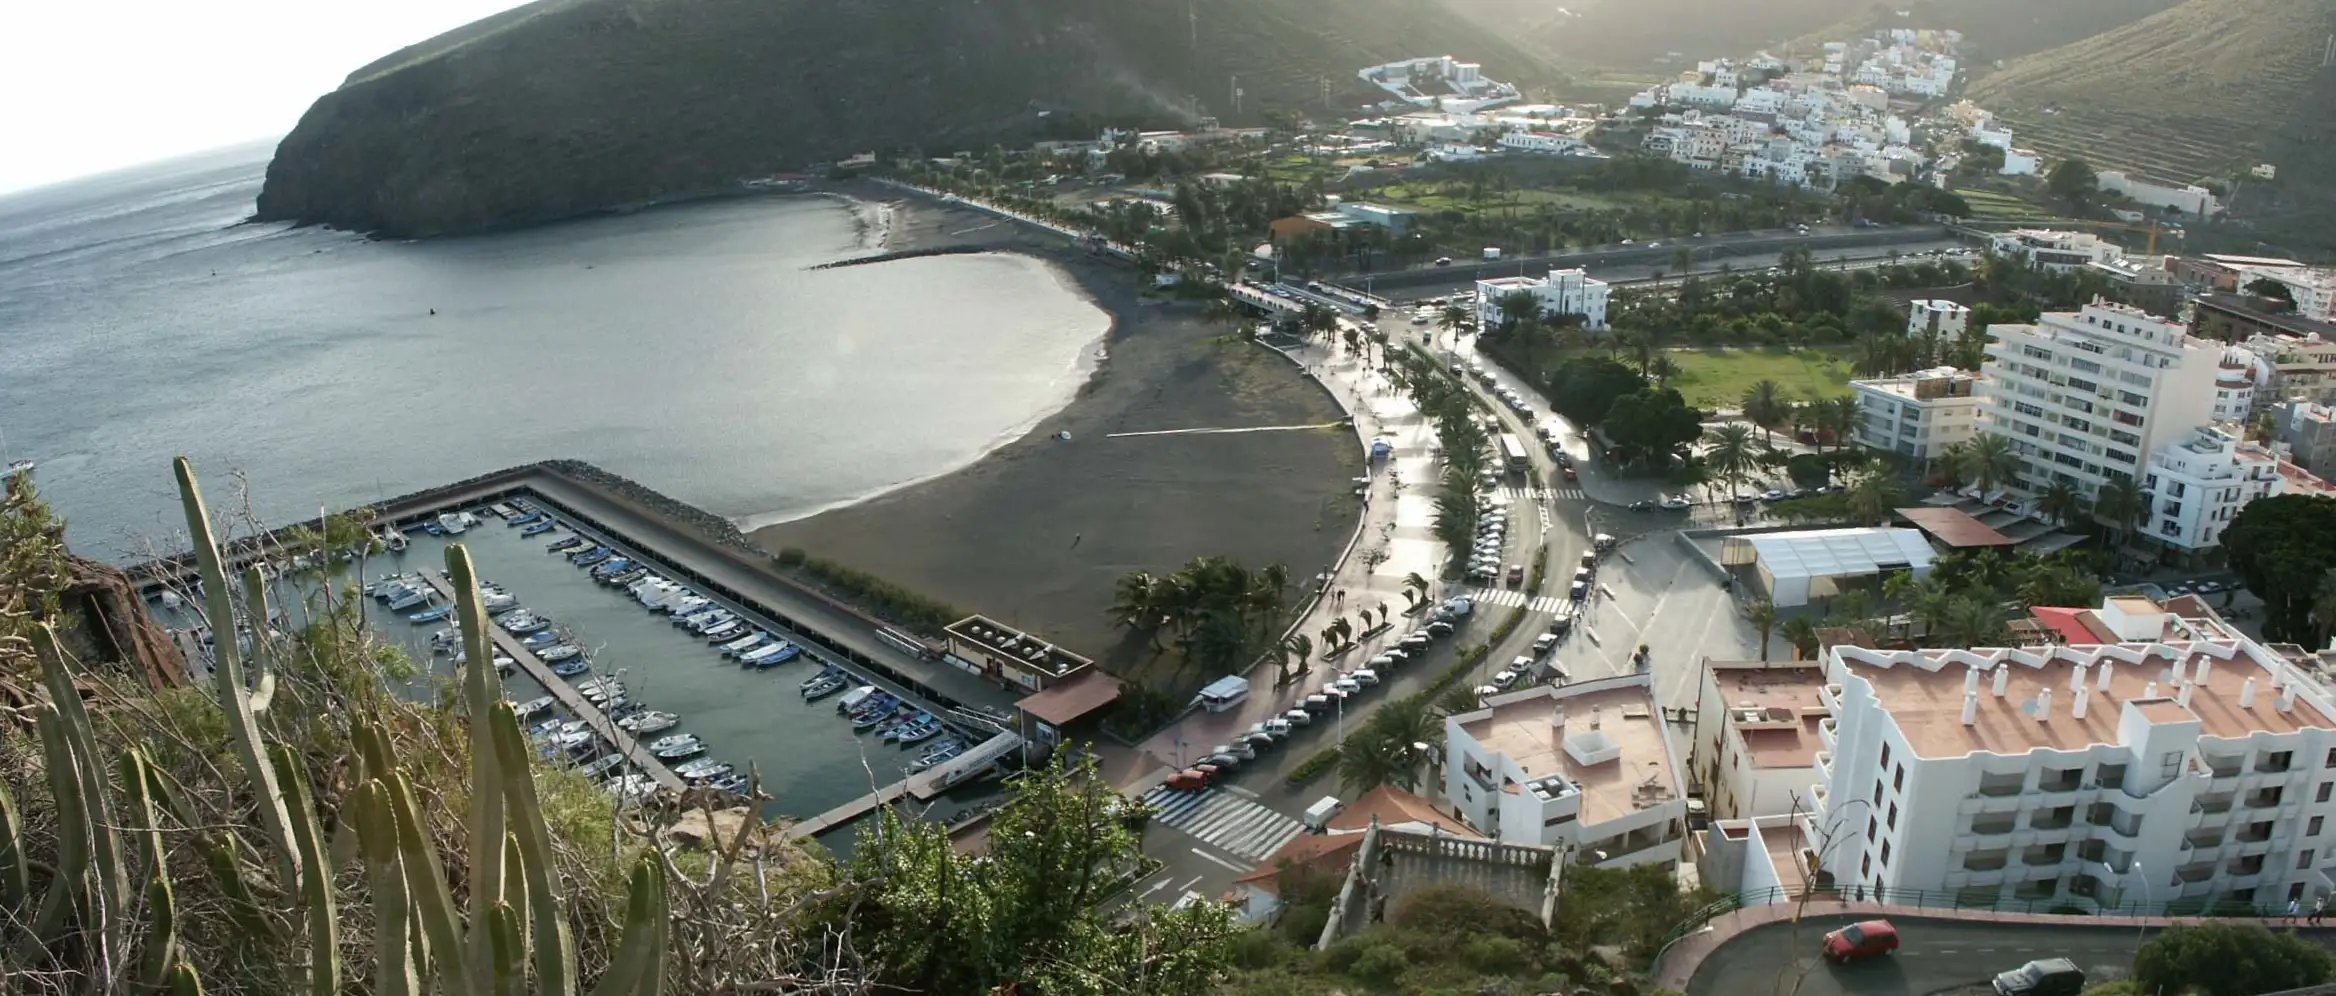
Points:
[(1570, 475), (1189, 780), (1865, 939)]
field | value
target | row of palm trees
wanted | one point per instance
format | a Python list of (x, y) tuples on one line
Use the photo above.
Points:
[(1214, 611)]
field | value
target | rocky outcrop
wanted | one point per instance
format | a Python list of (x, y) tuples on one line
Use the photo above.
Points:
[(113, 627), (565, 107)]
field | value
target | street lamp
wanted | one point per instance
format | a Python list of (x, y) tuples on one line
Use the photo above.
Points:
[(2141, 919)]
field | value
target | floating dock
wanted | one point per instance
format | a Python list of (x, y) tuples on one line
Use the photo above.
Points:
[(569, 698)]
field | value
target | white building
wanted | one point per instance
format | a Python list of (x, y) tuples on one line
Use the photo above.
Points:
[(1539, 141), (1563, 292), (1584, 767), (2198, 485), (2055, 250), (1918, 415), (2020, 162), (2190, 199), (2239, 379), (2185, 764), (1801, 566), (1756, 738), (2314, 288), (1941, 320), (2084, 397)]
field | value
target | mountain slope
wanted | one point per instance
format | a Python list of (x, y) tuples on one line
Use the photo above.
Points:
[(568, 106), (2199, 90), (1996, 29)]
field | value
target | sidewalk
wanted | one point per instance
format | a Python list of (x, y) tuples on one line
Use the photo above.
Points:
[(1396, 532)]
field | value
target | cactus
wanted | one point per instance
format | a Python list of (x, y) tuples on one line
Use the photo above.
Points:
[(316, 877), (227, 679), (555, 949), (481, 692), (393, 949), (506, 952), (255, 596), (184, 981), (639, 966), (224, 857), (72, 829), (15, 883), (162, 951), (107, 896)]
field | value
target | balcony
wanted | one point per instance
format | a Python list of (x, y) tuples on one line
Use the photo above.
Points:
[(1986, 861), (2050, 854), (2250, 865), (2219, 802), (1993, 825), (2196, 871), (2253, 833), (2223, 767), (2210, 837), (2053, 819), (1997, 787), (2276, 762)]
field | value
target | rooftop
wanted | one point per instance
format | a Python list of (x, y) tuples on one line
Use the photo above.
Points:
[(1954, 527), (1817, 553), (1775, 707), (1632, 759), (1028, 652), (2250, 307), (1924, 693)]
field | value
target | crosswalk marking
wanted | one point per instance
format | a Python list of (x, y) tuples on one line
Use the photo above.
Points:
[(1241, 827), (1514, 597), (1540, 494)]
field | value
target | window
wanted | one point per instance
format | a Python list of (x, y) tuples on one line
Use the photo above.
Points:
[(1877, 791), (1885, 756), (1866, 866), (2325, 789), (1893, 816), (2331, 758), (1898, 781), (2303, 862), (1885, 854), (2312, 829), (2170, 764), (1872, 825)]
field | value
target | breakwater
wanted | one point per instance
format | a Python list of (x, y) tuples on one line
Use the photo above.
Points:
[(887, 257)]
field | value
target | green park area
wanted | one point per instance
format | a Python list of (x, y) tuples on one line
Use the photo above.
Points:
[(1718, 377)]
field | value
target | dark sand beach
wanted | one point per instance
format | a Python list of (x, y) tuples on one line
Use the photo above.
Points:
[(1036, 533)]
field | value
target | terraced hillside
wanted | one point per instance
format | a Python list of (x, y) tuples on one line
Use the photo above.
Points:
[(568, 106), (2202, 89), (1995, 29)]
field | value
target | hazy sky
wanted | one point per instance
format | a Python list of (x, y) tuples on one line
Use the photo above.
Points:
[(92, 85)]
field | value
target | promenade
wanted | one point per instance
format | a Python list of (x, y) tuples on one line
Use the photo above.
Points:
[(568, 698)]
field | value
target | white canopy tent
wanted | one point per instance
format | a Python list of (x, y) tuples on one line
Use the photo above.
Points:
[(1796, 567)]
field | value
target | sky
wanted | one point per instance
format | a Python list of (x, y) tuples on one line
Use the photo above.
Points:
[(88, 86)]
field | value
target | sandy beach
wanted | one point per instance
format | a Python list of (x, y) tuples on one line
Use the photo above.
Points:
[(1036, 533)]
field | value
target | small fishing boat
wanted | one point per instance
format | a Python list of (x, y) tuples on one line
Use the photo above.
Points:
[(414, 598), (627, 577), (381, 587), (724, 632), (825, 671), (596, 682), (785, 652), (602, 766), (708, 773), (558, 654), (824, 686), (603, 692), (733, 783), (925, 728), (683, 604), (684, 749), (532, 706), (743, 644), (569, 739), (430, 615), (542, 638), (523, 520), (855, 698), (871, 717), (433, 528), (540, 528), (563, 544), (649, 721), (936, 754), (632, 788), (497, 600), (687, 768), (594, 556), (525, 626), (612, 566), (758, 654), (571, 668), (451, 523)]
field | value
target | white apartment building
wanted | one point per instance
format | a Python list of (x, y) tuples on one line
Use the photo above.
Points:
[(2239, 379), (2084, 397), (2314, 288), (1584, 767), (1756, 740), (1942, 320), (2185, 764), (2198, 485), (1918, 415), (1539, 141), (2057, 251), (1563, 292)]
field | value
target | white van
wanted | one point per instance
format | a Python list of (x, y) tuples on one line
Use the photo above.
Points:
[(1318, 815)]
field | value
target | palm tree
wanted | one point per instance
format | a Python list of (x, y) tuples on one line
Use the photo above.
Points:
[(1413, 582), (1975, 621), (1453, 319), (2122, 504), (2061, 502), (1732, 455), (1517, 306), (1761, 613), (1801, 632), (1948, 466), (1318, 319), (1662, 370), (1136, 604), (1765, 406), (1838, 417), (1990, 461), (1872, 496), (1300, 648)]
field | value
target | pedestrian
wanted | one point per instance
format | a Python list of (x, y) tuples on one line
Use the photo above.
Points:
[(2319, 906), (2292, 906)]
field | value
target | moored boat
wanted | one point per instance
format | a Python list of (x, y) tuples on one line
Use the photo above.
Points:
[(539, 528), (430, 615), (571, 668), (532, 706), (557, 654), (649, 721), (824, 686), (602, 766)]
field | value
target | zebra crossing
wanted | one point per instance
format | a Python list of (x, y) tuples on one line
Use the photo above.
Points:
[(1539, 494), (1512, 597), (1234, 824)]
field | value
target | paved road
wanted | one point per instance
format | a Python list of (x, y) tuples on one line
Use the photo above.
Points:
[(1634, 273), (1934, 957), (1735, 247)]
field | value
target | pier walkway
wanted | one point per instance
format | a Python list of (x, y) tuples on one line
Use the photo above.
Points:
[(570, 699)]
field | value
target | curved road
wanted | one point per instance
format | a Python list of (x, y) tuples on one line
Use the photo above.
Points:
[(1934, 957)]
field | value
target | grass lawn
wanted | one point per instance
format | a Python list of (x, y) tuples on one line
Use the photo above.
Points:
[(1717, 378)]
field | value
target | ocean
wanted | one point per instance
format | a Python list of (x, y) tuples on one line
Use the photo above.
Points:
[(688, 347)]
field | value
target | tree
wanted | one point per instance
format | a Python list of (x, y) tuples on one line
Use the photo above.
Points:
[(2324, 605), (2217, 958), (1135, 604), (2073, 181), (1873, 496), (1974, 621), (1761, 613), (1766, 407), (2062, 503), (1649, 425), (2122, 504), (2282, 546), (1585, 389), (1028, 910), (1517, 306), (1453, 319), (1990, 461), (2281, 295), (1731, 456), (1801, 632)]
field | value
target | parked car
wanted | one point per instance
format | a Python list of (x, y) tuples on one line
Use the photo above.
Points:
[(1298, 717), (1544, 643), (1440, 628), (1579, 591), (1505, 679), (1189, 780), (2044, 977), (1364, 676), (1643, 505), (1861, 940), (1416, 641)]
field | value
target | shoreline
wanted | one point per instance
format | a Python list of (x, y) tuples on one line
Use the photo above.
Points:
[(1036, 530)]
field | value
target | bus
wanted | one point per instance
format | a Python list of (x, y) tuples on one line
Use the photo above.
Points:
[(1513, 452)]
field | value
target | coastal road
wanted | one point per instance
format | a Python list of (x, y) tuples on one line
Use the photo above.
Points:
[(1934, 957), (1634, 274), (1736, 248)]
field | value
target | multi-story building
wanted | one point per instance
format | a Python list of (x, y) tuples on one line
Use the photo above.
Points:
[(2302, 352), (2308, 431), (1756, 740), (2239, 379), (2197, 485), (2143, 282), (2185, 763), (1918, 415), (2057, 251), (2085, 396), (1940, 319), (1563, 292), (1585, 767)]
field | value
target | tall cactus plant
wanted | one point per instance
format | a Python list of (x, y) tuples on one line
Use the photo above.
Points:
[(228, 681)]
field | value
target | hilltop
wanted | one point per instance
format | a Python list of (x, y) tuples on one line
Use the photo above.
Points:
[(2200, 91), (563, 107)]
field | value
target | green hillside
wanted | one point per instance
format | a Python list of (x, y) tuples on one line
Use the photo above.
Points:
[(568, 106), (1995, 29)]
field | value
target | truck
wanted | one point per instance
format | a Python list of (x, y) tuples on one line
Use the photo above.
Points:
[(1491, 253), (1317, 817)]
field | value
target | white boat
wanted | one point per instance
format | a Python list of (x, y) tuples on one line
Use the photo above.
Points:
[(570, 739), (652, 721), (602, 766), (601, 681), (532, 706), (853, 698), (452, 523), (413, 598), (497, 601), (743, 644)]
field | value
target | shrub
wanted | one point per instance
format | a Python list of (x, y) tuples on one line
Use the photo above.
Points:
[(1302, 925), (1493, 955), (1380, 964), (1262, 948), (1460, 909), (792, 556)]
